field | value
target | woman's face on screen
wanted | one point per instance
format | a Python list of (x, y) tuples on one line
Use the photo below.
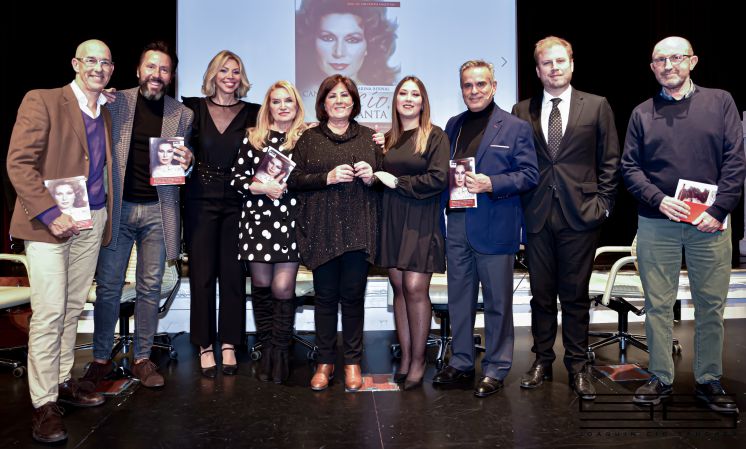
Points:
[(341, 45)]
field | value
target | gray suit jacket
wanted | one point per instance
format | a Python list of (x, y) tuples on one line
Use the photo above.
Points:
[(177, 121)]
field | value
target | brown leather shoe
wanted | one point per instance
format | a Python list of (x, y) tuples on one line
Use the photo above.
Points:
[(70, 392), (94, 374), (353, 378), (46, 424), (148, 374), (323, 375)]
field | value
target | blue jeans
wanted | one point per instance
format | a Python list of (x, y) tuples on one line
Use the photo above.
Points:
[(141, 224)]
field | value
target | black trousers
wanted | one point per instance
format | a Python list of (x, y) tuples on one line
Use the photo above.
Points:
[(212, 243), (342, 280), (560, 262)]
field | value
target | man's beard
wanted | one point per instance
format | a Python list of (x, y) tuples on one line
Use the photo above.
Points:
[(150, 95)]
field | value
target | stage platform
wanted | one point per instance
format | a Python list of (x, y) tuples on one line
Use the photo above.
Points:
[(241, 412)]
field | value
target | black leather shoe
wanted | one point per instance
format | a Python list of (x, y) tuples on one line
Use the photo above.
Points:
[(450, 375), (410, 385), (652, 392), (713, 394), (230, 370), (210, 372), (535, 376), (583, 385), (399, 378), (488, 386)]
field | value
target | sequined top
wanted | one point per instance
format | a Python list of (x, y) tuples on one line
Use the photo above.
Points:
[(337, 218)]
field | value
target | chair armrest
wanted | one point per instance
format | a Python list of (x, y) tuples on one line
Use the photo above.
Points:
[(606, 298), (19, 258), (612, 249)]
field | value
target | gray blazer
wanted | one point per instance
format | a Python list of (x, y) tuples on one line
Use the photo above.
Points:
[(177, 121)]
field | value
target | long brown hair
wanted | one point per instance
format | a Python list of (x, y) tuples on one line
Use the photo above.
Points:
[(425, 125), (258, 134)]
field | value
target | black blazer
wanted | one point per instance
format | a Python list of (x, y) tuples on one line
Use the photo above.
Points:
[(585, 174)]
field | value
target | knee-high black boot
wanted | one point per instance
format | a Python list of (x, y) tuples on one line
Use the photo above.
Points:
[(282, 333), (261, 298)]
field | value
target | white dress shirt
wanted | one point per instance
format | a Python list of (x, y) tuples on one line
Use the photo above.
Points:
[(563, 106)]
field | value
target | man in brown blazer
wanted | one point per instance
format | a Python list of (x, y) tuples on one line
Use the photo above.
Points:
[(61, 133)]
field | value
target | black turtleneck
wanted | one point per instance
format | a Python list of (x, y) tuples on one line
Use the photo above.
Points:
[(471, 132), (147, 123)]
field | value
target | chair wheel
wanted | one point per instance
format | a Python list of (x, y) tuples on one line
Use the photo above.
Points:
[(173, 355), (312, 355), (255, 355), (676, 350), (19, 371), (396, 351)]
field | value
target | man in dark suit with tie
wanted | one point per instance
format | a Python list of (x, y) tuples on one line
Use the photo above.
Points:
[(481, 242), (578, 153)]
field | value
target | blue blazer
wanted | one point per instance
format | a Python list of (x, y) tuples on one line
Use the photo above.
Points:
[(506, 154)]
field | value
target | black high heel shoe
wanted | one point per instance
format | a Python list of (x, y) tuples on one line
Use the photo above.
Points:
[(414, 384), (399, 378), (230, 370), (210, 372)]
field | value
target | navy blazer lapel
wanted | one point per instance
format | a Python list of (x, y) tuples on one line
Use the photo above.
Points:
[(75, 116), (494, 126)]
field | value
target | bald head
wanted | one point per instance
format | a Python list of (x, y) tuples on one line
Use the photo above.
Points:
[(89, 46), (673, 45)]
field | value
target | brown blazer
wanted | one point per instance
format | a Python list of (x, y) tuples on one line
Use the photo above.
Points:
[(49, 142)]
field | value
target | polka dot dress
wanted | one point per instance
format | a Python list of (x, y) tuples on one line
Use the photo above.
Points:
[(266, 227)]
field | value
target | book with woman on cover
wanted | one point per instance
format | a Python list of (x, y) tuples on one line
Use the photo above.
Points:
[(71, 196), (164, 168), (699, 197), (460, 197), (274, 166)]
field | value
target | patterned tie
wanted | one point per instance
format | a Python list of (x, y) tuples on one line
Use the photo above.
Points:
[(555, 129)]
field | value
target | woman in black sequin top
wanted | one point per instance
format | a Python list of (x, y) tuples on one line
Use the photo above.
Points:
[(337, 222)]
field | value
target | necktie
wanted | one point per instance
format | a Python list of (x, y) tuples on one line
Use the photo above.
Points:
[(555, 129)]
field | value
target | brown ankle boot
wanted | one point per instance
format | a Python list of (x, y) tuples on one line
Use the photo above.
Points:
[(324, 374), (353, 378)]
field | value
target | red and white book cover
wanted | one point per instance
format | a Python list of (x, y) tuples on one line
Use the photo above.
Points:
[(165, 169), (71, 196), (460, 197), (699, 196)]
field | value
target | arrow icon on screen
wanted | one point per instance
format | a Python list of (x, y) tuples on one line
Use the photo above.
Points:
[(505, 61)]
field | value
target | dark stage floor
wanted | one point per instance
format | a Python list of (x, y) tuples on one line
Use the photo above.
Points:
[(241, 412)]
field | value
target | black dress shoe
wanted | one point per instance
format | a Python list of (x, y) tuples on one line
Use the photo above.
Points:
[(488, 386), (410, 385), (583, 386), (450, 375), (210, 372), (713, 394), (536, 375), (652, 392), (399, 378), (230, 370)]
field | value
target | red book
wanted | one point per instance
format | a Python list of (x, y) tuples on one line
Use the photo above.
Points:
[(698, 196)]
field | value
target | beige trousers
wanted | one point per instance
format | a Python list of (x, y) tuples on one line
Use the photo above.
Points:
[(60, 275)]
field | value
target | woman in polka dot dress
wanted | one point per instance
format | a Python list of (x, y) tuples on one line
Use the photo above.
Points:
[(267, 227)]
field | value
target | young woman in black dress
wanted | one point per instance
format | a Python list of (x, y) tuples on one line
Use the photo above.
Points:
[(412, 245), (267, 229), (212, 209)]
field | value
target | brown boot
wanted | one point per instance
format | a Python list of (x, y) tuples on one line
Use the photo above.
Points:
[(147, 372), (46, 424), (353, 378), (71, 392), (324, 374)]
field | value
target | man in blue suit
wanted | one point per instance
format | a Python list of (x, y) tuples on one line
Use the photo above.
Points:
[(481, 242)]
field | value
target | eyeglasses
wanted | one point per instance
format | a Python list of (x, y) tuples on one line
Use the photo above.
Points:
[(90, 61), (675, 60)]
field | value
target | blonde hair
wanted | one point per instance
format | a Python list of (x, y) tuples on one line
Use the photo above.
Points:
[(551, 41), (476, 63), (258, 134), (216, 63), (425, 126)]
